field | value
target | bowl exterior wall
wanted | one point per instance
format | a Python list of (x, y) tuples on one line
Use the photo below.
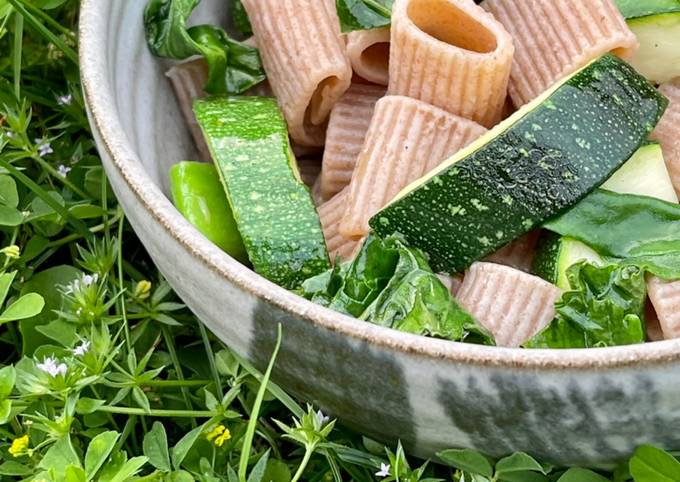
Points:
[(564, 415)]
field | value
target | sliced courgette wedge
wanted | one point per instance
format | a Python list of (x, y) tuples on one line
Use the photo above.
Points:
[(273, 209), (656, 24), (531, 167), (644, 174)]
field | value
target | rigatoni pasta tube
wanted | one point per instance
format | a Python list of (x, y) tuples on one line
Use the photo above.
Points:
[(187, 80), (347, 130), (407, 138), (518, 254), (554, 38), (330, 213), (305, 59), (668, 131), (511, 304), (452, 54), (369, 53), (665, 296)]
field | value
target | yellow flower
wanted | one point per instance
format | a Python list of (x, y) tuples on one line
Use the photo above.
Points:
[(218, 435), (19, 446), (13, 251), (143, 290)]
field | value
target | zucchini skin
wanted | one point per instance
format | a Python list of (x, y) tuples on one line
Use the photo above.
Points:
[(273, 209), (552, 156), (547, 256)]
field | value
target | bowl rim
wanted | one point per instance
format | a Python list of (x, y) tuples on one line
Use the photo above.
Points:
[(105, 122)]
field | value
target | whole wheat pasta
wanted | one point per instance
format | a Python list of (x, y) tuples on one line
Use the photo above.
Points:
[(330, 213), (665, 296), (652, 325), (187, 80), (554, 38), (452, 54), (347, 128), (511, 304), (305, 59), (668, 131), (518, 254), (369, 53), (453, 283), (309, 169), (407, 138)]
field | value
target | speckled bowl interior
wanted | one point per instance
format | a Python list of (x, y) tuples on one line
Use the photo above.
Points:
[(571, 406)]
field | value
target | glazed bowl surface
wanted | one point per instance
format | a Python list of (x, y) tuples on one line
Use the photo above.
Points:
[(569, 407)]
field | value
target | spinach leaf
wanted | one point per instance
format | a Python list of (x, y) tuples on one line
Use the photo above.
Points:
[(240, 18), (636, 9), (629, 229), (363, 14), (392, 285), (604, 307), (233, 67)]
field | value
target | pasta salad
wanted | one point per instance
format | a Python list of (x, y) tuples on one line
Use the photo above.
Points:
[(503, 172)]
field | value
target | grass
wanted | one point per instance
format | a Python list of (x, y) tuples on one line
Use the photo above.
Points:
[(104, 373)]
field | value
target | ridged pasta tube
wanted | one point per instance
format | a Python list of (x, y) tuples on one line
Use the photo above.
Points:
[(511, 304), (665, 296), (668, 131), (347, 130), (187, 80), (407, 138), (451, 54), (518, 254), (305, 59), (369, 53), (330, 213), (554, 38)]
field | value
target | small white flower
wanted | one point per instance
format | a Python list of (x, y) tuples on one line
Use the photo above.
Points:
[(65, 99), (384, 470), (63, 170), (52, 368), (88, 279), (10, 135), (81, 349), (72, 287), (44, 147), (323, 419)]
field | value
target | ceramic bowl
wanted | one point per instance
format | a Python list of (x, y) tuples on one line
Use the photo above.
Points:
[(569, 407)]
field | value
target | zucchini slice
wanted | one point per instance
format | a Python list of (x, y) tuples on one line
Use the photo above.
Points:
[(556, 254), (656, 24), (644, 174), (273, 209), (540, 161)]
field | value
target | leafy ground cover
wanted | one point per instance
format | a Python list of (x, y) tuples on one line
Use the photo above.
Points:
[(104, 374)]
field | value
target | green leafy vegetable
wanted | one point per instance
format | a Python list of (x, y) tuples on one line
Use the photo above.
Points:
[(638, 8), (626, 228), (233, 67), (391, 285), (363, 14), (604, 307), (240, 18)]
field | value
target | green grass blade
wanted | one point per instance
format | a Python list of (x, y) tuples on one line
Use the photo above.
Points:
[(77, 224), (44, 31), (252, 423), (17, 53)]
